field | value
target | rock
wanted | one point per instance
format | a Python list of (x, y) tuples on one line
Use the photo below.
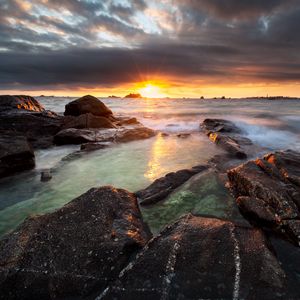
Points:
[(203, 258), (268, 192), (94, 146), (131, 95), (87, 121), (183, 135), (46, 175), (38, 127), (74, 251), (228, 136), (87, 104), (20, 102), (121, 135), (163, 186), (16, 154), (126, 121), (133, 134)]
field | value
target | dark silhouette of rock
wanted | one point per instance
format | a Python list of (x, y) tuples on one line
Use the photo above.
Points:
[(163, 186), (225, 134), (19, 102), (87, 121), (268, 192), (87, 104), (121, 135), (46, 175), (94, 146), (132, 95), (74, 251), (183, 135), (203, 258), (16, 154)]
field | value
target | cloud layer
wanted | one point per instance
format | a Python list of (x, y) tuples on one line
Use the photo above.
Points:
[(53, 44)]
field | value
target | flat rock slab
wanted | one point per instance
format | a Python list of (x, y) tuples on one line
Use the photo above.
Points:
[(267, 192), (73, 251), (163, 186), (226, 135), (80, 136), (202, 258), (16, 154)]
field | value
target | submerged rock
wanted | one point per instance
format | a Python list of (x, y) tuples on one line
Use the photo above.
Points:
[(19, 102), (228, 136), (203, 258), (268, 192), (87, 104), (94, 146), (16, 154), (163, 186), (46, 175), (74, 251)]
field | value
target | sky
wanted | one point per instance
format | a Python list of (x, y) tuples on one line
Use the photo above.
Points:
[(160, 48)]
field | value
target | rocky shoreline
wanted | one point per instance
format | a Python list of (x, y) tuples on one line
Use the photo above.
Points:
[(99, 247)]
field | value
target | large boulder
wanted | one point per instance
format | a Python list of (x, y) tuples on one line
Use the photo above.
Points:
[(163, 186), (203, 258), (21, 102), (228, 136), (16, 154), (268, 192), (87, 121), (39, 128), (74, 251), (87, 104)]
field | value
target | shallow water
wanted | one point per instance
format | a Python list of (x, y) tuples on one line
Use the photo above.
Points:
[(271, 124)]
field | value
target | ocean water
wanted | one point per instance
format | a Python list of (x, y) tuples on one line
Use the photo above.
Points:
[(273, 125)]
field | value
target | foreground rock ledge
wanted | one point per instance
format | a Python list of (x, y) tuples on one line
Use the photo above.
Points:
[(74, 251), (268, 192), (202, 258)]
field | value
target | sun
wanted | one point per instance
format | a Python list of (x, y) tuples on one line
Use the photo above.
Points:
[(151, 91)]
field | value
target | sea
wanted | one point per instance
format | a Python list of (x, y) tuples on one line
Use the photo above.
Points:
[(270, 124)]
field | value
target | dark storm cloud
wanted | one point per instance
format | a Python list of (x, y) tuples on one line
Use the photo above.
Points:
[(215, 40)]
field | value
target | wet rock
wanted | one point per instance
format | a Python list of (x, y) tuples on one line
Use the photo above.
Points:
[(121, 135), (94, 146), (183, 135), (227, 135), (46, 175), (87, 121), (268, 192), (203, 258), (74, 251), (87, 104), (38, 127), (163, 186), (16, 154), (133, 134), (20, 102), (126, 121)]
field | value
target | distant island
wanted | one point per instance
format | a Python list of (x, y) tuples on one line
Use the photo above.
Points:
[(132, 95)]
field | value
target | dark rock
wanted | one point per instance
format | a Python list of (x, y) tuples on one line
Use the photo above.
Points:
[(268, 192), (46, 175), (87, 104), (121, 135), (94, 146), (16, 154), (74, 251), (183, 135), (164, 134), (133, 134), (38, 127), (87, 121), (163, 186), (133, 95), (203, 258), (228, 136), (126, 121), (20, 102)]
